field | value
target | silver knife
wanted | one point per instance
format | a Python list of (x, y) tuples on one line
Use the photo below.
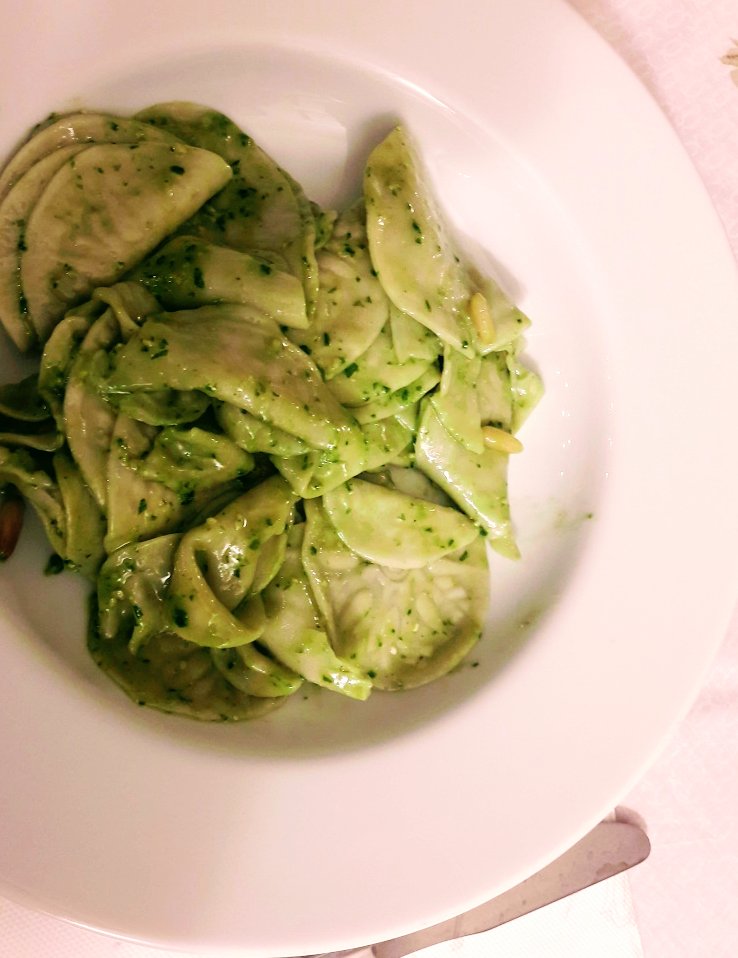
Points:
[(610, 848)]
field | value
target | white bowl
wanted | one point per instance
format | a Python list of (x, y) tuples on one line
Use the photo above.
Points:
[(333, 823)]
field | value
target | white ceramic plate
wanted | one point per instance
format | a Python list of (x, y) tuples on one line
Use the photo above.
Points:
[(331, 823)]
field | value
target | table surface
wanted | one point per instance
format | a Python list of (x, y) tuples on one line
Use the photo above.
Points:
[(681, 902), (684, 896)]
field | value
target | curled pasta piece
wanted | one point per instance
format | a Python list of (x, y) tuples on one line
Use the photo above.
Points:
[(211, 599)]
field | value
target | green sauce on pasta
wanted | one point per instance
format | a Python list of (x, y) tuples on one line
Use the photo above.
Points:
[(274, 438)]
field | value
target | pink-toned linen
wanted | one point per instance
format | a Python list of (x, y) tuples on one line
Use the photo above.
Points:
[(686, 894)]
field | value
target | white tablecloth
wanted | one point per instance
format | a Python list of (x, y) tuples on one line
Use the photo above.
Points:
[(683, 902)]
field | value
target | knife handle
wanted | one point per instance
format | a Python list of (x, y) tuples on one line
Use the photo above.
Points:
[(610, 848)]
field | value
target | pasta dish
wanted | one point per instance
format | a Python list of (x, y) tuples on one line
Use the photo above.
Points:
[(274, 438)]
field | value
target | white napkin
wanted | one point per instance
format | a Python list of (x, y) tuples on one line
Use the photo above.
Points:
[(598, 922)]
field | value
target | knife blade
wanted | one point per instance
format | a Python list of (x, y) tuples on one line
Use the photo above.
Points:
[(610, 848)]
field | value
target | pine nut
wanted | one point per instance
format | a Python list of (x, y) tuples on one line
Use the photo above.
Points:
[(500, 440), (482, 319)]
